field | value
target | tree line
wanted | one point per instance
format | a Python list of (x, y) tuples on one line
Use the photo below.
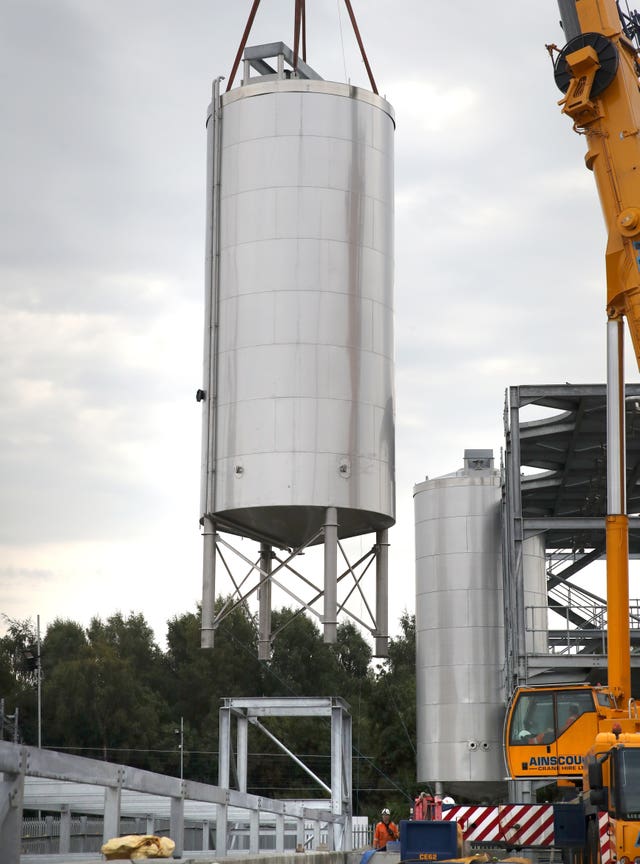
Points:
[(109, 692)]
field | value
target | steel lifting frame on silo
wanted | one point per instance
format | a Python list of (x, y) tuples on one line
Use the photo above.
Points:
[(249, 710), (215, 542)]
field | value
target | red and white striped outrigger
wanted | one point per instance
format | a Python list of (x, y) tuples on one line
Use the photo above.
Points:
[(605, 837), (517, 825)]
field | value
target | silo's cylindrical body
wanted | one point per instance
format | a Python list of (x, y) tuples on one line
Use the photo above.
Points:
[(301, 411), (459, 627), (534, 574)]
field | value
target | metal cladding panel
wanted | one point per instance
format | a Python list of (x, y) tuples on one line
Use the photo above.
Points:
[(453, 760), (453, 609), (459, 628), (455, 685), (304, 415), (451, 724)]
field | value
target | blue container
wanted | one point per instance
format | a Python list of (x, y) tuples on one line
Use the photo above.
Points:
[(428, 841)]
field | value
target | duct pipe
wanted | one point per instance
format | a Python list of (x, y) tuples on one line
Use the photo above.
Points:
[(212, 279)]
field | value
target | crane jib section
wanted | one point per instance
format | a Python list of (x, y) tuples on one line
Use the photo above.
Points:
[(598, 72)]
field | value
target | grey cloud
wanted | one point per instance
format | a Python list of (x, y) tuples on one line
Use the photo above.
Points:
[(102, 217)]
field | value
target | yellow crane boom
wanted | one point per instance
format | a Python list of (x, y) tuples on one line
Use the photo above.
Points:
[(598, 70)]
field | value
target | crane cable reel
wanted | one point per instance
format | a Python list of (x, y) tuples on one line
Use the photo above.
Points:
[(608, 58)]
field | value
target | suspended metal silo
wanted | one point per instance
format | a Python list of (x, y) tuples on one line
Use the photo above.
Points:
[(298, 395)]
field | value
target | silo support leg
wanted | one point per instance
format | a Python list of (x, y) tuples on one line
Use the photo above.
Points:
[(331, 576), (264, 601), (208, 584), (382, 594)]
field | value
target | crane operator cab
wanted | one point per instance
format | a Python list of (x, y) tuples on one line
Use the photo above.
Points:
[(550, 729)]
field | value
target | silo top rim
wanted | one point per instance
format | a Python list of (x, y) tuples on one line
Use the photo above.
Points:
[(302, 85), (460, 478)]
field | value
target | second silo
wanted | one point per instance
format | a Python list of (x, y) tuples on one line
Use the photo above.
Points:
[(460, 652), (298, 427)]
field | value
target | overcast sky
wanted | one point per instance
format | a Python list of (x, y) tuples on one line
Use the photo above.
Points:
[(499, 267)]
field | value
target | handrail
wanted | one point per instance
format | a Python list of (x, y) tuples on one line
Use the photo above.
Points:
[(19, 761)]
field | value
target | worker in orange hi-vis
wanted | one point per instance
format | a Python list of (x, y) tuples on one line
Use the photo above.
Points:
[(385, 831)]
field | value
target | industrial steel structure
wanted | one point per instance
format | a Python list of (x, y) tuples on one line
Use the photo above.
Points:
[(555, 488), (103, 786), (496, 550)]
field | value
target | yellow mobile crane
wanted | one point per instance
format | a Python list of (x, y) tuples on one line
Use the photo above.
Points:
[(590, 736)]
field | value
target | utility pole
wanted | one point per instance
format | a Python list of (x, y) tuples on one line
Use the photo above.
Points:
[(39, 680), (180, 732)]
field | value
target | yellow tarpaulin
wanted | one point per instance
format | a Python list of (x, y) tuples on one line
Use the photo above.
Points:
[(134, 847)]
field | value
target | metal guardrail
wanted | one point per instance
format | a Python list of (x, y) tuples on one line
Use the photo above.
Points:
[(577, 627), (41, 836), (18, 762)]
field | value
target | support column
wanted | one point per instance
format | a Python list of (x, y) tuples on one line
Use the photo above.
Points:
[(334, 838), (280, 833), (111, 827), (300, 835), (242, 747), (224, 770), (221, 830), (521, 792), (381, 648), (11, 796), (224, 746), (254, 832), (331, 576), (264, 601), (207, 631), (205, 835), (516, 634), (617, 533), (176, 825), (347, 781), (65, 829)]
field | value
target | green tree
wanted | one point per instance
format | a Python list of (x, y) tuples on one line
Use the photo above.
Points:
[(392, 722), (99, 693), (197, 679), (19, 675)]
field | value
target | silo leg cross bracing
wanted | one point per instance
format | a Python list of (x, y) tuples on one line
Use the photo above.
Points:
[(298, 392)]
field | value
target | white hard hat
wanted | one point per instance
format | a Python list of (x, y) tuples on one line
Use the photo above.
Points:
[(385, 811), (448, 800)]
